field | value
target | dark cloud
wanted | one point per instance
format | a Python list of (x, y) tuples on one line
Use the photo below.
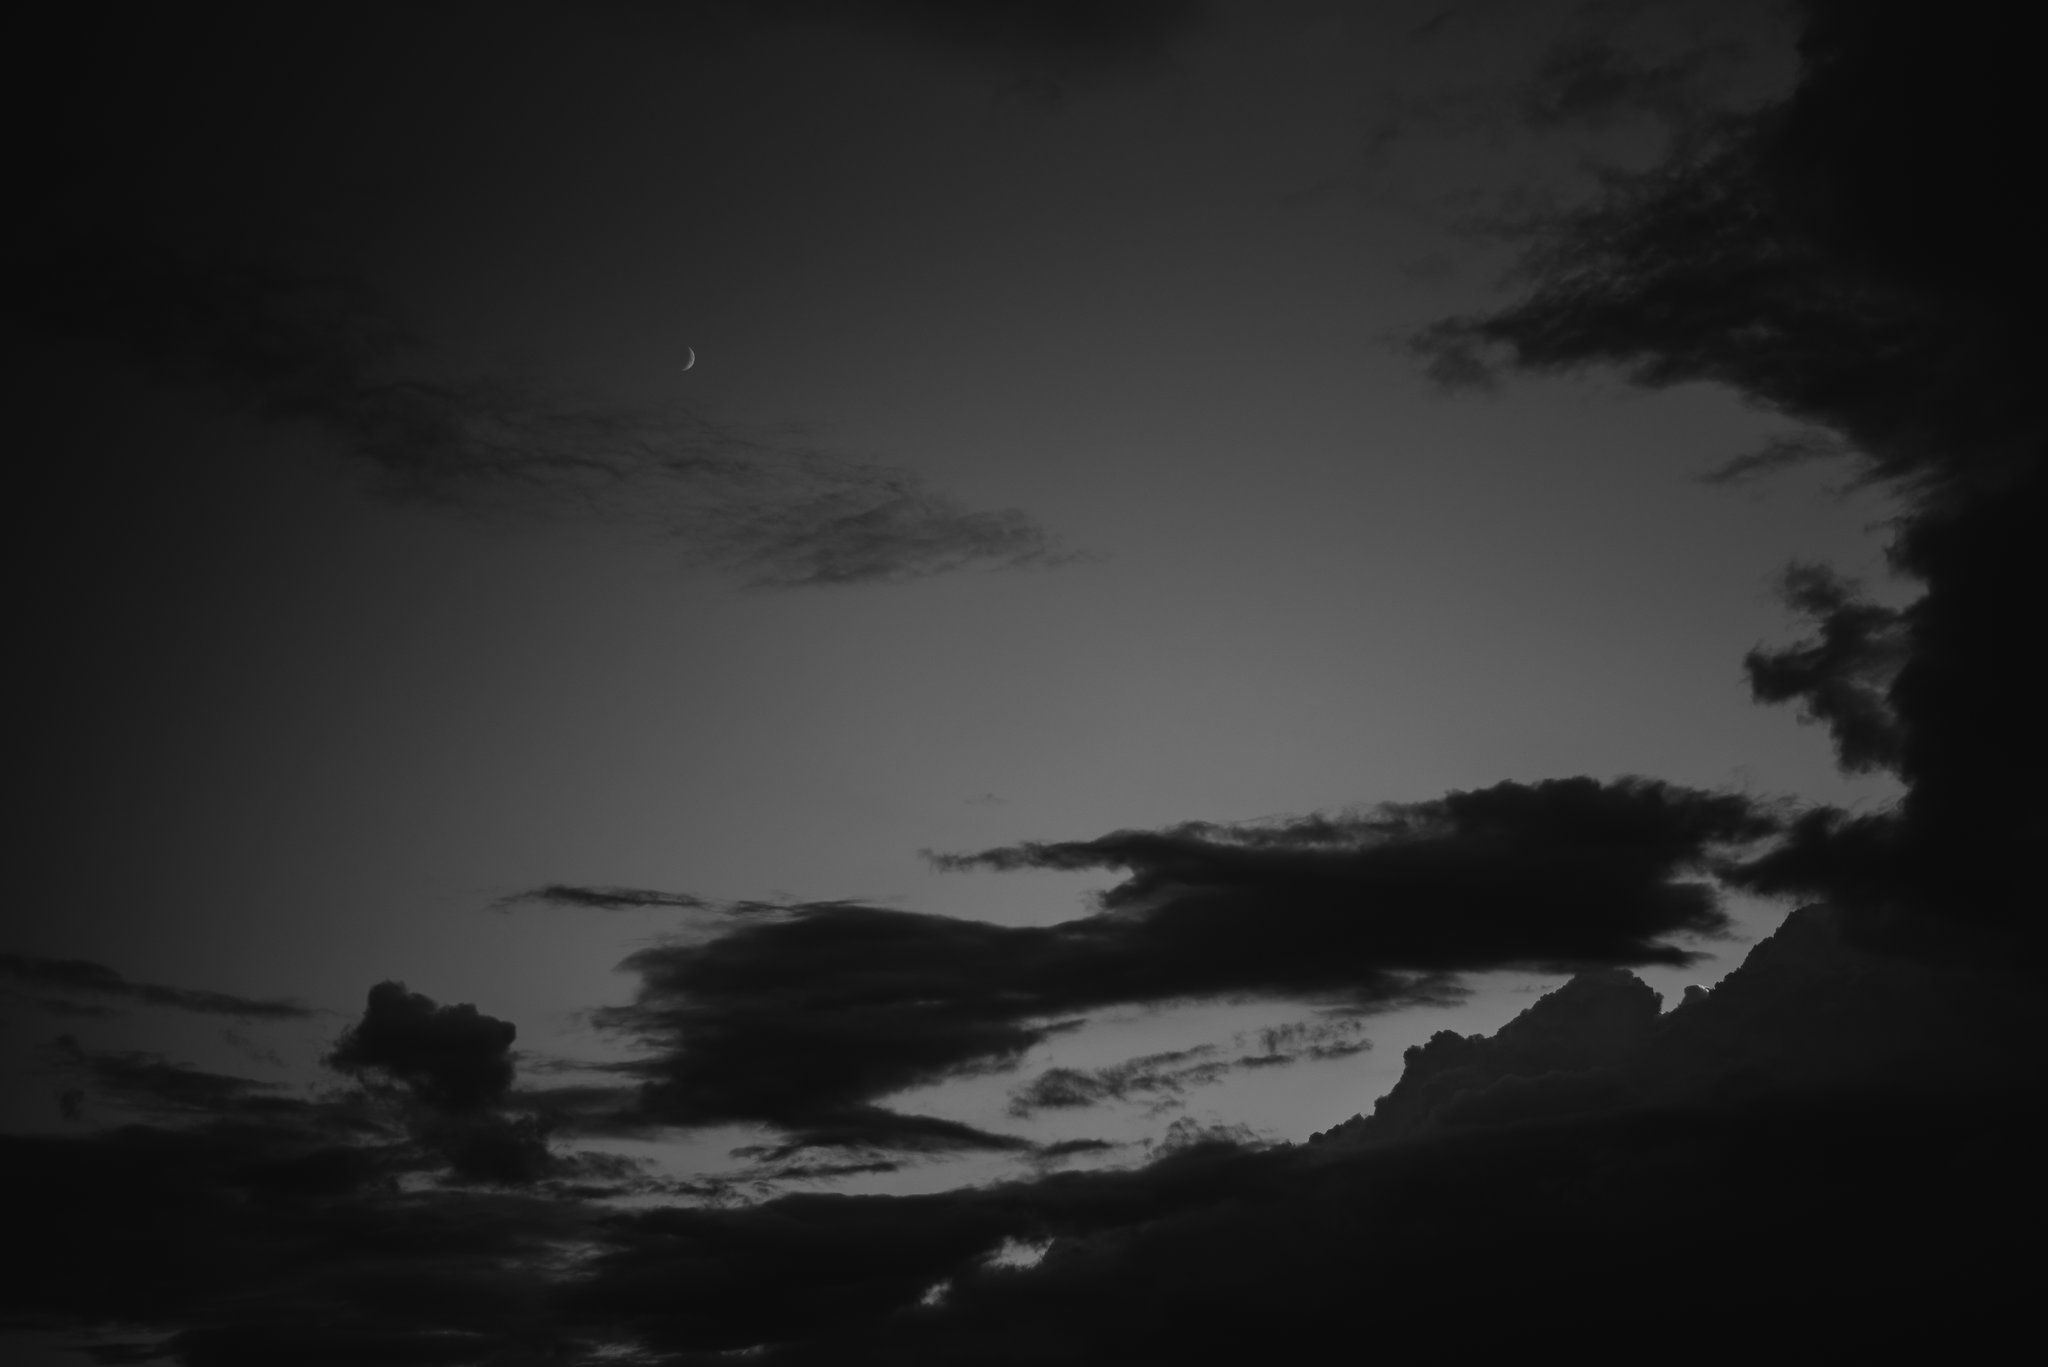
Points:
[(1595, 1167), (155, 1085), (1843, 676), (1159, 1079), (1859, 258), (454, 1067), (806, 1017), (93, 979), (454, 1057), (1562, 872), (604, 899)]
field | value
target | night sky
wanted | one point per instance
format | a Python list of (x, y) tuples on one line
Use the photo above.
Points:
[(1018, 682)]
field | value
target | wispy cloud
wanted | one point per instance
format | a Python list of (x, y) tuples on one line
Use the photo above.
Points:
[(86, 978), (318, 347)]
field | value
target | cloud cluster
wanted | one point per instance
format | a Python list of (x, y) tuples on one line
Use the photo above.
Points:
[(453, 1068), (1854, 1131)]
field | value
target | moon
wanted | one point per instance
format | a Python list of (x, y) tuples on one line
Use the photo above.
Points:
[(693, 357)]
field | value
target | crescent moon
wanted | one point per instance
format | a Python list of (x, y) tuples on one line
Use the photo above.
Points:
[(693, 357)]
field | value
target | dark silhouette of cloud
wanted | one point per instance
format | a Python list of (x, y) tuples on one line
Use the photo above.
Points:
[(452, 1056), (807, 1017), (153, 1084), (1843, 676), (604, 899), (1855, 1130), (1859, 258), (82, 976)]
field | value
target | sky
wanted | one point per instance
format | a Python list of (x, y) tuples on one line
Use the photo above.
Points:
[(828, 679)]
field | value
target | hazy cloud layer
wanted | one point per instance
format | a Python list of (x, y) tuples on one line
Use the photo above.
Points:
[(86, 978)]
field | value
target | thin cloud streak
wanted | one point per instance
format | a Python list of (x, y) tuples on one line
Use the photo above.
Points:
[(84, 977)]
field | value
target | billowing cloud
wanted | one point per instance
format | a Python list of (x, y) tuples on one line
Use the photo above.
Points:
[(452, 1056), (86, 978)]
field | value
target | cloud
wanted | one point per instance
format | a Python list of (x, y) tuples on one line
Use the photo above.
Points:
[(807, 1017), (454, 1057), (1856, 1131), (1566, 871), (1843, 676), (1858, 258), (82, 976), (155, 1085), (299, 346), (1161, 1080), (603, 898)]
